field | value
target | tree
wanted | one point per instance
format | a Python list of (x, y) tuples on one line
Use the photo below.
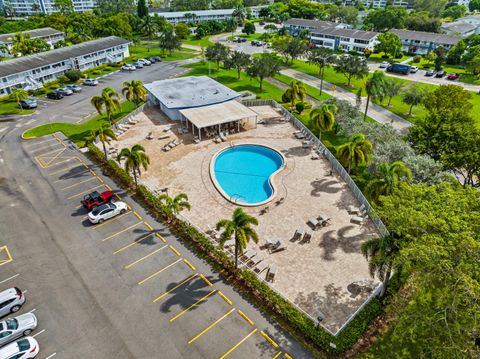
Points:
[(24, 45), (322, 57), (474, 5), (392, 88), (108, 100), (168, 41), (182, 30), (135, 159), (356, 152), (148, 27), (455, 11), (73, 75), (106, 7), (241, 15), (440, 59), (36, 7), (294, 91), (175, 205), (375, 88), (265, 65), (17, 95), (430, 57), (421, 21), (434, 7), (295, 48), (239, 227), (388, 178), (64, 6), (237, 60), (134, 91), (413, 97), (385, 19), (104, 134), (217, 53), (352, 67), (249, 28), (323, 118), (389, 43), (473, 66), (142, 8)]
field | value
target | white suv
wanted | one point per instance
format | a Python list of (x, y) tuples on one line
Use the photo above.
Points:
[(25, 348), (144, 62), (11, 300)]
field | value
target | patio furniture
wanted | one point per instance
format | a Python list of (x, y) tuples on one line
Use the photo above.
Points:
[(164, 137), (264, 210), (255, 261), (298, 234), (217, 140), (277, 247), (323, 219), (229, 243), (315, 157), (357, 220), (213, 233), (314, 223), (300, 136), (259, 268), (249, 254), (355, 210), (150, 136), (307, 237), (280, 201), (271, 273)]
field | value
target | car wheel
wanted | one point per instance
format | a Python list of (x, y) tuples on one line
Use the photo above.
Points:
[(27, 332), (123, 211), (15, 309), (101, 220)]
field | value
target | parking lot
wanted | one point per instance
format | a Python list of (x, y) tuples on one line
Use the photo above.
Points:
[(145, 289)]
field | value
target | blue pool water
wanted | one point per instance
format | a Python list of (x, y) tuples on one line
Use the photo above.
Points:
[(243, 172)]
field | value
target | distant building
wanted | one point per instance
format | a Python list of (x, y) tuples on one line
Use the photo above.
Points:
[(372, 3), (50, 35), (333, 35), (421, 43), (28, 7), (30, 72), (194, 16), (460, 28)]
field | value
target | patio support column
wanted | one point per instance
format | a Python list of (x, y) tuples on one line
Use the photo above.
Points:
[(256, 121), (238, 126), (219, 129), (199, 133)]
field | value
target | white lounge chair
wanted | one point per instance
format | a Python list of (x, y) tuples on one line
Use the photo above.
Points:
[(271, 273)]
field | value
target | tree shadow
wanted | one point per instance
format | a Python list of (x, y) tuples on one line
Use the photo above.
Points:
[(332, 241), (73, 172), (325, 185), (298, 151)]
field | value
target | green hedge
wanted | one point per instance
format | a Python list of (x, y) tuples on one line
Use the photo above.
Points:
[(297, 323)]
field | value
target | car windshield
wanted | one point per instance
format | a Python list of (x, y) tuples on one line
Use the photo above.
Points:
[(96, 211), (23, 345), (12, 324)]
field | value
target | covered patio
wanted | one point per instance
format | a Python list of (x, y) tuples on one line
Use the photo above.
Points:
[(221, 119)]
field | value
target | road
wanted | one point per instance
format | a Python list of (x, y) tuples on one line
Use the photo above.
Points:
[(125, 289)]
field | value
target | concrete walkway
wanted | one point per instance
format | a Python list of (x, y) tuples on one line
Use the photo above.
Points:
[(378, 113)]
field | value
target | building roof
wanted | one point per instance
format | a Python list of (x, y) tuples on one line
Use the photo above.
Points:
[(309, 23), (30, 62), (217, 114), (174, 14), (44, 31), (331, 28), (427, 36), (470, 17), (192, 91), (459, 27)]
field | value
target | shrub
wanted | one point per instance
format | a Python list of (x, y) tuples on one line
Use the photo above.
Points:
[(399, 55), (300, 106), (73, 75), (417, 59), (62, 78), (40, 92), (286, 97)]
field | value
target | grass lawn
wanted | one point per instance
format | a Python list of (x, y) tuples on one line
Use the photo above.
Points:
[(138, 52), (203, 42), (78, 133), (249, 37), (8, 107), (379, 58)]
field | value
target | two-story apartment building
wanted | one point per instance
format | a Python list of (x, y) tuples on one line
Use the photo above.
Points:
[(50, 35), (421, 43), (30, 72), (371, 3), (32, 7), (195, 16)]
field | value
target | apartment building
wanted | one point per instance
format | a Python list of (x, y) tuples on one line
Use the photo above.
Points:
[(421, 43), (375, 4), (50, 35), (30, 72), (174, 17), (32, 7)]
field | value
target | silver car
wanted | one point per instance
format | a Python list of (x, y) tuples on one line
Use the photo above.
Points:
[(11, 300), (13, 328), (107, 211)]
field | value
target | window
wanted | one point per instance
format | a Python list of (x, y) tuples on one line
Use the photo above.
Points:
[(4, 304), (347, 39), (358, 41), (5, 334)]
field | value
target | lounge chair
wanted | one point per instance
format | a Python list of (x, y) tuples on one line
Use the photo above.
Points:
[(249, 254), (306, 237), (280, 201), (271, 273), (164, 137), (298, 234), (253, 262), (277, 247), (357, 220), (150, 136), (314, 223), (259, 268), (264, 210), (323, 219), (355, 210)]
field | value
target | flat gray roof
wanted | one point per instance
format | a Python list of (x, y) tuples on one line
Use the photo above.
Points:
[(25, 63), (191, 91), (459, 27), (309, 23), (172, 14), (331, 28), (427, 36), (44, 31)]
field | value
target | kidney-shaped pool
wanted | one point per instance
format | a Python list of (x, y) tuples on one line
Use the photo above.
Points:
[(243, 173)]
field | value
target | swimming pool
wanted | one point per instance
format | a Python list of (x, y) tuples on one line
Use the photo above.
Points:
[(243, 173)]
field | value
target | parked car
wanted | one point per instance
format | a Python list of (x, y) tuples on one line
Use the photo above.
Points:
[(262, 22), (25, 348), (440, 73), (430, 73), (14, 328), (236, 39), (453, 76), (157, 58), (95, 199), (384, 64), (74, 88), (260, 43), (28, 103), (138, 65), (11, 300), (152, 59), (64, 91), (254, 42), (128, 67), (54, 95), (90, 82), (107, 211), (413, 69), (144, 62), (242, 39)]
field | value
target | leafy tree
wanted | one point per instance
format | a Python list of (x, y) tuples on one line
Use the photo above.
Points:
[(295, 48), (265, 65), (306, 9), (217, 53), (441, 56), (231, 24), (352, 67), (451, 99), (142, 8), (422, 21), (168, 41), (474, 5), (73, 75), (389, 43), (36, 7), (237, 60), (108, 100), (343, 14), (414, 96), (356, 152), (105, 7), (323, 118), (249, 28), (135, 159), (375, 88), (104, 135), (270, 28), (385, 19), (24, 45), (434, 7), (241, 14), (388, 178), (64, 6), (239, 227), (430, 57), (294, 91), (182, 30), (473, 66), (392, 88), (17, 95), (134, 91), (455, 11), (175, 205), (322, 57)]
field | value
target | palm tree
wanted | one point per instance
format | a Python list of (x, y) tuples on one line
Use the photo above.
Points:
[(392, 88), (17, 95), (135, 158), (322, 57), (239, 226), (148, 26), (388, 179), (104, 134), (380, 253), (176, 204), (356, 152), (240, 14), (323, 117), (296, 90), (375, 88), (413, 97), (134, 91), (109, 99)]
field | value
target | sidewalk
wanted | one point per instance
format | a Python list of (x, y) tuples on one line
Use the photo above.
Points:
[(378, 113)]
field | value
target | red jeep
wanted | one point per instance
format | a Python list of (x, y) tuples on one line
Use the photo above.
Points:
[(95, 199)]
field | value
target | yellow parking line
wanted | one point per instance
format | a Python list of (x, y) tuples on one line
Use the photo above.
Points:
[(192, 306), (211, 326), (136, 241), (46, 154), (174, 288), (158, 272), (224, 298), (239, 343), (9, 256), (206, 280), (108, 187), (120, 232), (137, 215), (244, 316), (270, 340), (111, 220), (174, 250), (79, 206), (62, 170), (76, 184), (83, 192), (160, 237), (286, 355), (277, 355), (55, 157), (189, 264), (145, 257), (41, 163), (148, 226), (59, 163)]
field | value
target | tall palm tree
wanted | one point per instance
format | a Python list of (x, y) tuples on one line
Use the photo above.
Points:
[(17, 95), (240, 13), (239, 226), (380, 253), (148, 27), (322, 57), (104, 135), (176, 204), (323, 117), (392, 88), (388, 179), (135, 159), (355, 152), (134, 91), (296, 90), (109, 99), (375, 88)]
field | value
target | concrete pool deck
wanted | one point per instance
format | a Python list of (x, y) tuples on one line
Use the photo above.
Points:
[(328, 275)]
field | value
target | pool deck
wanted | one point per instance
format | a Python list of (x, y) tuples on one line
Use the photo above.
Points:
[(327, 276)]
